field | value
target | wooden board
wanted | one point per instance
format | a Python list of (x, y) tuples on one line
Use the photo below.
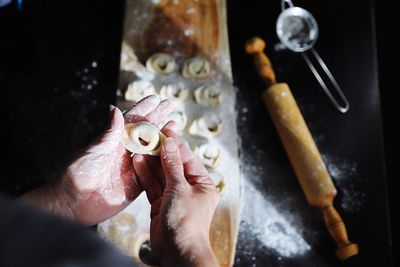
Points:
[(182, 28)]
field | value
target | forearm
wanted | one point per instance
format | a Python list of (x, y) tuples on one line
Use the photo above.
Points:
[(49, 199)]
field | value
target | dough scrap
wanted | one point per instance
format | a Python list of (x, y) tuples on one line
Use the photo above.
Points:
[(138, 90), (161, 63), (142, 138), (196, 68)]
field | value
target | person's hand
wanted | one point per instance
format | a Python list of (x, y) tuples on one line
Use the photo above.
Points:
[(101, 182), (183, 199)]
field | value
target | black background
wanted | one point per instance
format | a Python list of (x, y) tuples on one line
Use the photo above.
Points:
[(50, 116)]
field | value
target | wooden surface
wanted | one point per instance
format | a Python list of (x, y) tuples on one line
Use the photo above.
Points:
[(183, 29)]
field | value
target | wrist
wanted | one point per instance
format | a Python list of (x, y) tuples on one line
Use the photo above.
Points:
[(49, 198)]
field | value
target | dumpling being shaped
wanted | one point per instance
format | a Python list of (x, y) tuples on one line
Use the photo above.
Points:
[(142, 138)]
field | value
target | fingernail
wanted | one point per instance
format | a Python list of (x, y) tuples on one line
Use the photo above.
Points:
[(170, 145), (170, 125), (138, 158), (112, 107)]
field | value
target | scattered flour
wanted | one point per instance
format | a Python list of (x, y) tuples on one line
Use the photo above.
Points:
[(263, 222), (344, 172)]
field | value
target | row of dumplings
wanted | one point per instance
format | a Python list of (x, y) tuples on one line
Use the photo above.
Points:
[(165, 64), (146, 138), (207, 95)]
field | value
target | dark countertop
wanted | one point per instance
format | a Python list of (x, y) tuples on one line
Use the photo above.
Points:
[(350, 143), (53, 111)]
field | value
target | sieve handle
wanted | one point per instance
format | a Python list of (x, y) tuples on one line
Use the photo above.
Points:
[(284, 2), (342, 108)]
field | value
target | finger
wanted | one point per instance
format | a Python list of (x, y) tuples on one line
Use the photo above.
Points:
[(155, 165), (194, 170), (171, 125), (155, 208), (142, 108), (161, 112), (109, 141), (146, 178), (185, 151), (123, 171), (171, 162)]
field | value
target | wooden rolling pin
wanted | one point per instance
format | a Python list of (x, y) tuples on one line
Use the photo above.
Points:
[(301, 149)]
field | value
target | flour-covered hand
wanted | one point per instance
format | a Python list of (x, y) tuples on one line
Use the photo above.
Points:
[(101, 181)]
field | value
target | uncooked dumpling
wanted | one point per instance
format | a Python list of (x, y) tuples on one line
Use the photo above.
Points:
[(196, 68), (179, 117), (175, 92), (207, 126), (142, 138), (161, 63), (138, 90), (208, 153), (208, 95)]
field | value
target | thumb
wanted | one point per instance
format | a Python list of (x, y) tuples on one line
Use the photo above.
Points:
[(111, 137), (171, 162)]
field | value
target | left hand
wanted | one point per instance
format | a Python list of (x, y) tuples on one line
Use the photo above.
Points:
[(102, 181)]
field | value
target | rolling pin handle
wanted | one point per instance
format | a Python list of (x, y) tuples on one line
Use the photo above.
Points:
[(338, 231), (255, 46)]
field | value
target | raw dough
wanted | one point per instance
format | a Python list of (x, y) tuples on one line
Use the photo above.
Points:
[(178, 116), (142, 138), (208, 95), (206, 126), (138, 90), (196, 68), (161, 63), (208, 153), (175, 92)]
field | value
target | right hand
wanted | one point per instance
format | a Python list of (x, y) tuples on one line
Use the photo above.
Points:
[(183, 199)]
